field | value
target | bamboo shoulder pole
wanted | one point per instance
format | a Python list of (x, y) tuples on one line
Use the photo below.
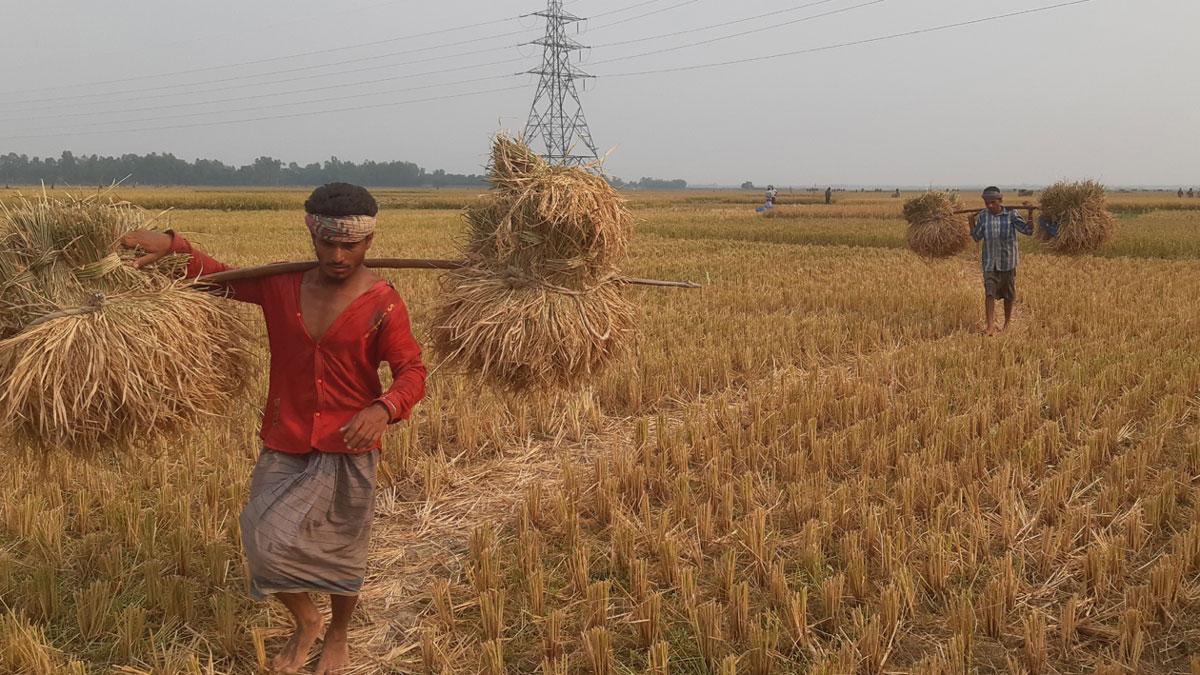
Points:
[(1030, 209), (389, 263)]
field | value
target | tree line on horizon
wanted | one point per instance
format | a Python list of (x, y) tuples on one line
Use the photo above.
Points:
[(167, 169)]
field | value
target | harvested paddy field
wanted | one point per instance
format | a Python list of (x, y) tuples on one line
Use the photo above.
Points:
[(816, 463)]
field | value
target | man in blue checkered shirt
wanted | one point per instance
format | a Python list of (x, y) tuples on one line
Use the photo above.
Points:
[(997, 228)]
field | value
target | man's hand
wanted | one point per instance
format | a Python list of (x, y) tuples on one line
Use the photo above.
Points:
[(155, 244), (366, 428)]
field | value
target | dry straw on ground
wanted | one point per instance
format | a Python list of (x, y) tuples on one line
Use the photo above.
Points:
[(933, 229), (1081, 211), (539, 303), (95, 353)]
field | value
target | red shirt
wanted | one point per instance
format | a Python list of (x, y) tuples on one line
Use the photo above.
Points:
[(318, 386)]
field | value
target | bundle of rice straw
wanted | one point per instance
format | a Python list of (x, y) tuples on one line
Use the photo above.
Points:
[(538, 304), (933, 229), (1081, 211), (95, 353)]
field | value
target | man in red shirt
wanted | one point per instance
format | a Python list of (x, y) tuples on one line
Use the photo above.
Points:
[(307, 524)]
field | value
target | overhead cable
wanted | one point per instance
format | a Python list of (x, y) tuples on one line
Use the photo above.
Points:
[(245, 77), (304, 113), (715, 25), (275, 59), (342, 97), (90, 113), (919, 31), (741, 34)]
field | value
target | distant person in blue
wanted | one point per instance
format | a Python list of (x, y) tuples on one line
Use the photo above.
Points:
[(997, 228)]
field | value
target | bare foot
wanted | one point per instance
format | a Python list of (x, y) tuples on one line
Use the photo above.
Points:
[(294, 654), (335, 656), (991, 331)]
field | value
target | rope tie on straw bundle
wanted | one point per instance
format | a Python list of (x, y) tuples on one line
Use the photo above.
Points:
[(517, 278), (95, 301)]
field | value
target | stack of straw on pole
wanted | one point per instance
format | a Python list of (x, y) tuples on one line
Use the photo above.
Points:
[(934, 231), (93, 352), (1081, 211), (538, 304)]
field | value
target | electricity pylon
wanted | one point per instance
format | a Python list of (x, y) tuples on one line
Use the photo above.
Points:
[(556, 116)]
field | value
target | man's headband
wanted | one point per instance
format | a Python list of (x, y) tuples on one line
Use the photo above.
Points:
[(340, 228)]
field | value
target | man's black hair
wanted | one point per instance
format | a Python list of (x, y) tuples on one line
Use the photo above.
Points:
[(341, 199), (991, 188)]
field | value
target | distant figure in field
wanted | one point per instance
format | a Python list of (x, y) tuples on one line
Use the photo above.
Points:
[(771, 192), (1191, 193), (896, 193), (828, 195), (1181, 193), (997, 228)]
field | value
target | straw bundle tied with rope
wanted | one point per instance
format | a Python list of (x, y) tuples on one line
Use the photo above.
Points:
[(93, 352), (934, 230), (1081, 211), (538, 303)]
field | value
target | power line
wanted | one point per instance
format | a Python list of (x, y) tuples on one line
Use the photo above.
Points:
[(275, 59), (892, 36), (277, 117), (257, 96), (715, 25), (642, 16), (284, 93), (245, 77), (623, 9), (881, 38), (257, 29), (279, 105), (743, 33)]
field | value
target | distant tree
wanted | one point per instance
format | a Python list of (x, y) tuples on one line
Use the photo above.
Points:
[(662, 184), (748, 185), (167, 169), (267, 171)]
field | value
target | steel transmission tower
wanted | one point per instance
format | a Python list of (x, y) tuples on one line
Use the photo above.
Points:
[(556, 116)]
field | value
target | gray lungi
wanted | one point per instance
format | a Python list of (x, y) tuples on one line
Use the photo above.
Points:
[(308, 522)]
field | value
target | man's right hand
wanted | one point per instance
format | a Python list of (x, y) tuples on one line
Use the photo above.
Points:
[(155, 244)]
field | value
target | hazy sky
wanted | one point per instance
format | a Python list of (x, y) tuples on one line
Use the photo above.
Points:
[(1105, 89)]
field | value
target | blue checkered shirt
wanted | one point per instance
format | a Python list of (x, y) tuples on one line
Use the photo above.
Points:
[(999, 236)]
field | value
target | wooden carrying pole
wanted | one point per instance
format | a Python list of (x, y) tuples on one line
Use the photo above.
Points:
[(394, 264), (1030, 209)]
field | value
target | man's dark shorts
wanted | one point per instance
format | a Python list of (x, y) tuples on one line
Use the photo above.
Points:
[(1001, 285)]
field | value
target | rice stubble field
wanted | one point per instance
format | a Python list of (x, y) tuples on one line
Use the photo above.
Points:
[(816, 463)]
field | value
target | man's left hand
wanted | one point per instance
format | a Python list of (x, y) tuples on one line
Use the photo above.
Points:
[(365, 429)]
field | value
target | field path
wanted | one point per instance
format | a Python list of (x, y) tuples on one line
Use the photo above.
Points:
[(416, 543)]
